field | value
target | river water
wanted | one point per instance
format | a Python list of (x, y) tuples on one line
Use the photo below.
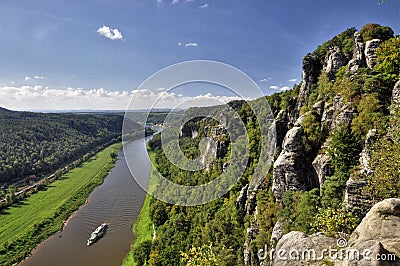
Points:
[(117, 202)]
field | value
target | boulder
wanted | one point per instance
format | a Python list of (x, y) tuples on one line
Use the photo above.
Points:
[(370, 52), (379, 234), (296, 248)]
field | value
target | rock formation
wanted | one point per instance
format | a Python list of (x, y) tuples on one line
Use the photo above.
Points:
[(322, 164), (311, 71), (334, 60), (370, 52), (378, 232), (358, 59), (296, 248), (291, 170)]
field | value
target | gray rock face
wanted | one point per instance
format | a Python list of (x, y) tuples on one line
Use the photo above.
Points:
[(277, 233), (248, 250), (296, 248), (319, 107), (370, 52), (334, 60), (378, 232), (355, 197), (311, 70), (323, 167), (281, 125), (358, 59), (337, 114), (395, 98), (365, 153), (241, 200), (291, 170)]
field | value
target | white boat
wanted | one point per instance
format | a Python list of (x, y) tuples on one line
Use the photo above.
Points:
[(96, 234)]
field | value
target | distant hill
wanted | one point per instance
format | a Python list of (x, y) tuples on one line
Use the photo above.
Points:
[(40, 143)]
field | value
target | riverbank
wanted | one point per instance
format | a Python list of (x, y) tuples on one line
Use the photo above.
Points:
[(143, 227), (25, 225)]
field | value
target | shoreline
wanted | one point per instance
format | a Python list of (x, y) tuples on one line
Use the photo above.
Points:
[(23, 246)]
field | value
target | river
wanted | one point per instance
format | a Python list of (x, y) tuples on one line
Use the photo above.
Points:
[(117, 202)]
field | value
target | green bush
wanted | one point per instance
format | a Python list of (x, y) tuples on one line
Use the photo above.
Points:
[(141, 253), (375, 31)]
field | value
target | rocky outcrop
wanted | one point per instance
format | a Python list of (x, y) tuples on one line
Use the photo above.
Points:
[(277, 233), (358, 59), (355, 194), (296, 248), (337, 114), (218, 134), (370, 52), (322, 164), (291, 169), (379, 232), (311, 70), (334, 60), (365, 155), (281, 125), (249, 252), (395, 103), (241, 200)]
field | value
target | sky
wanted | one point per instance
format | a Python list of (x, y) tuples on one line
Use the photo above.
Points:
[(95, 54)]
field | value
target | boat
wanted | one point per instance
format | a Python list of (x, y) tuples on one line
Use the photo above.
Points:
[(96, 234)]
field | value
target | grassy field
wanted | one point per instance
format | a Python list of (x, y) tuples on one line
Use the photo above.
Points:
[(142, 228), (31, 221)]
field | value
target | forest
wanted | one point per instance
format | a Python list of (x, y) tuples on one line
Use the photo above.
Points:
[(40, 143)]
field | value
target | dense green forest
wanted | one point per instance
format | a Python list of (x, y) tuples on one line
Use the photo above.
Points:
[(217, 233), (39, 144)]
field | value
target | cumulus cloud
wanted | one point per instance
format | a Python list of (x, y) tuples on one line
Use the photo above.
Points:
[(264, 80), (39, 77), (27, 78), (191, 44), (46, 98), (204, 6), (281, 88), (292, 80), (109, 33)]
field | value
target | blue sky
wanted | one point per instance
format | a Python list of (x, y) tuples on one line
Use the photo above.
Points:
[(94, 53)]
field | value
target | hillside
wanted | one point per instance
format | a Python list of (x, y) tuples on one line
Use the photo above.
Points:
[(337, 155), (38, 143)]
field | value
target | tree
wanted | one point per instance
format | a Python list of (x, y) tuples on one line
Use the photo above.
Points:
[(201, 256), (141, 253), (375, 31)]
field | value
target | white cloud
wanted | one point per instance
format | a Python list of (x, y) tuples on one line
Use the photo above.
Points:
[(281, 88), (109, 33), (27, 78), (191, 44), (39, 77), (175, 1), (292, 80), (179, 44), (46, 98), (264, 80), (205, 6)]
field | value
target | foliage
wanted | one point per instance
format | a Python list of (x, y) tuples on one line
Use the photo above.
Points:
[(388, 58), (39, 144), (201, 256), (343, 40), (369, 116), (141, 252), (375, 31), (344, 150), (335, 220)]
